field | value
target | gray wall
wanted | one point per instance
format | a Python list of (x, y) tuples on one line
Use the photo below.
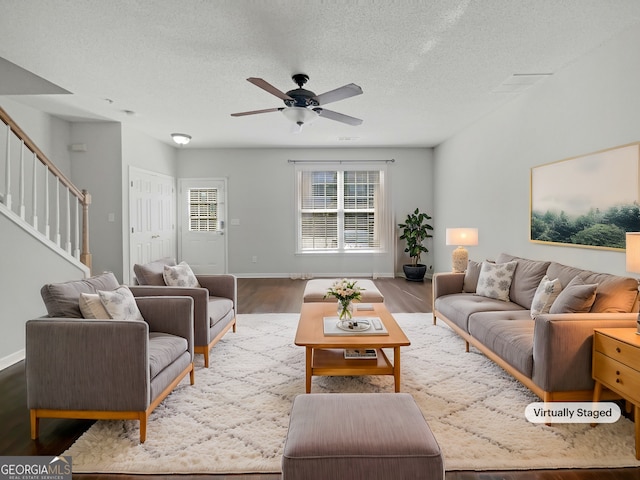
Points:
[(261, 196), (482, 174)]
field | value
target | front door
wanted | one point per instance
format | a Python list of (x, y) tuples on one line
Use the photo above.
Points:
[(202, 239)]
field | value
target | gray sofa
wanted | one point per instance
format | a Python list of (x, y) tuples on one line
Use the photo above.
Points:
[(551, 353), (105, 369), (215, 302)]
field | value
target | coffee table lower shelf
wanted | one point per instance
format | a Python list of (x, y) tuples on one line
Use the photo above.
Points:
[(331, 362)]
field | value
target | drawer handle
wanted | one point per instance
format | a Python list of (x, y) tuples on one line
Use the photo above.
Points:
[(617, 380), (617, 372), (618, 349)]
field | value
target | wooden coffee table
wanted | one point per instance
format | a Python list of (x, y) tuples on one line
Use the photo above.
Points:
[(325, 354)]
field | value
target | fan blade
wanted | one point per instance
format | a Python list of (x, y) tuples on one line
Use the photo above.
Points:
[(266, 86), (341, 93), (253, 112), (338, 117)]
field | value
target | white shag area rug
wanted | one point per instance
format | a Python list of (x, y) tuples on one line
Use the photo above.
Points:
[(235, 418)]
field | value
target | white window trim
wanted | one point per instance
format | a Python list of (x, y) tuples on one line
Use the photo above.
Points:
[(384, 216)]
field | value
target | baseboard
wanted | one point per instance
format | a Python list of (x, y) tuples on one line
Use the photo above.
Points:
[(12, 359)]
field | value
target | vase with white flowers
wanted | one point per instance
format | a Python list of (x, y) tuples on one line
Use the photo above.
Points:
[(345, 291)]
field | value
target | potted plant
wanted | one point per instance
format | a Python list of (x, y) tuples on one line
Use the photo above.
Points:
[(415, 230)]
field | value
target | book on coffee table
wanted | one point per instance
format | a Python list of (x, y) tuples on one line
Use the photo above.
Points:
[(360, 353)]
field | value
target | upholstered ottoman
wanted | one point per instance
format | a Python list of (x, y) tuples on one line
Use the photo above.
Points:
[(316, 289), (359, 436)]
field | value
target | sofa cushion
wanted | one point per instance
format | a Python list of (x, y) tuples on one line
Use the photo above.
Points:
[(63, 299), (164, 349), (471, 277), (152, 273), (458, 307), (120, 304), (179, 275), (546, 294), (526, 278), (495, 280), (219, 307), (577, 297), (92, 308), (508, 334)]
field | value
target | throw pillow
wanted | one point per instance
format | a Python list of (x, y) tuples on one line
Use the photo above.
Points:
[(180, 276), (495, 280), (120, 304), (91, 306), (471, 277), (577, 297), (545, 295)]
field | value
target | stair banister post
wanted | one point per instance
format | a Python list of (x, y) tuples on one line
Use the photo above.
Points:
[(34, 195), (21, 182), (7, 171), (85, 257)]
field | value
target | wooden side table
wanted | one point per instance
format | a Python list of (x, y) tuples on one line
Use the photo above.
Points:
[(616, 366)]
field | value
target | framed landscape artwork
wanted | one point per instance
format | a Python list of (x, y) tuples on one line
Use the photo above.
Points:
[(588, 201)]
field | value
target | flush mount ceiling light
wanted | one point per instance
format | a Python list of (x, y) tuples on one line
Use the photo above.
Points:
[(181, 138)]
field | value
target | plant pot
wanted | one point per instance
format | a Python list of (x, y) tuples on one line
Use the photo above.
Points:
[(414, 273)]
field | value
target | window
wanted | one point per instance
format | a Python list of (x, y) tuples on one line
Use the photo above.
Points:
[(340, 210), (203, 209)]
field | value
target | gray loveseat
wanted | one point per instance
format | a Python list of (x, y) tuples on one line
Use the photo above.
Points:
[(551, 353), (105, 369)]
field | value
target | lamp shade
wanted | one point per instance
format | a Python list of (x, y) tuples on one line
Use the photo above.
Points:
[(300, 115), (633, 251), (462, 236)]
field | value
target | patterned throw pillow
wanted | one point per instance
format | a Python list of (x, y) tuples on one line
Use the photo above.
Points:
[(495, 280), (180, 275), (545, 295), (91, 306), (120, 304)]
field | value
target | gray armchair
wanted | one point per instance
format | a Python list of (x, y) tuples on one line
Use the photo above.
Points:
[(105, 369), (214, 307)]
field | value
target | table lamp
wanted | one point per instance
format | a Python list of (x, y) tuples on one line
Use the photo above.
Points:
[(461, 237), (633, 258)]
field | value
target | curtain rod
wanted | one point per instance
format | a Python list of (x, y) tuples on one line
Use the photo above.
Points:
[(392, 160)]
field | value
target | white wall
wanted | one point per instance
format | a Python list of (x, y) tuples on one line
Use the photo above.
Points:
[(23, 275), (482, 174), (99, 171), (261, 196)]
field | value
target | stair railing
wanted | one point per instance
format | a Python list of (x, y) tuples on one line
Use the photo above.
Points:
[(66, 221)]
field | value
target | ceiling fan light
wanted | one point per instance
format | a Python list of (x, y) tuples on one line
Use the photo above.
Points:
[(181, 138), (300, 115)]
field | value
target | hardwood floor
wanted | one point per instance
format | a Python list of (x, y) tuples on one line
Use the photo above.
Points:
[(254, 296)]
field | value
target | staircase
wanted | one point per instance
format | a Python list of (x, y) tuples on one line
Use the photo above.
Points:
[(40, 199)]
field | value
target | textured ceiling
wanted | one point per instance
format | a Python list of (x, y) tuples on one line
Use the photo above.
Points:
[(427, 68)]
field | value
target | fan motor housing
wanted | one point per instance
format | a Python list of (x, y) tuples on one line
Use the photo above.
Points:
[(301, 98)]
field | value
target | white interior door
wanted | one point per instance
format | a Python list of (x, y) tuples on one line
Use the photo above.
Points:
[(203, 211), (152, 213)]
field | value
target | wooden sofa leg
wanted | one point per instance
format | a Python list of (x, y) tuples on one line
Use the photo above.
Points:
[(234, 325), (206, 357), (466, 346), (35, 424), (143, 426), (192, 375)]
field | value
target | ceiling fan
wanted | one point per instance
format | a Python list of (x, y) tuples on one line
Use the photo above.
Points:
[(304, 106)]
